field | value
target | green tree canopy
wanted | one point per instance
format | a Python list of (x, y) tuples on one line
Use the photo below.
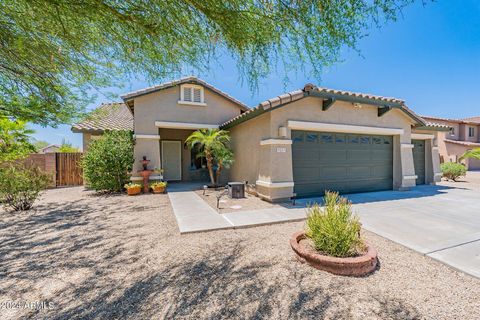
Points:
[(52, 53), (14, 140), (67, 146)]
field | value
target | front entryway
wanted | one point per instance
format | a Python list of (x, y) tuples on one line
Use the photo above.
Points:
[(419, 160), (343, 162), (172, 160)]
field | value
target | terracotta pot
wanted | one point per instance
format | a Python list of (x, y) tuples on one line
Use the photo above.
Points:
[(133, 191), (158, 189), (352, 266)]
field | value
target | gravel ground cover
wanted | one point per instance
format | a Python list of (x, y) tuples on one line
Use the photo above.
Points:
[(119, 257), (250, 202)]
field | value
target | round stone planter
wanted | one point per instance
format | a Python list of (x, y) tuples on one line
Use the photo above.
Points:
[(133, 191), (354, 266)]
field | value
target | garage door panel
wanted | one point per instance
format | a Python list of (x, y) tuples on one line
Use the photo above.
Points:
[(346, 163), (359, 155), (419, 160), (334, 173), (382, 155), (359, 172), (333, 155), (308, 174)]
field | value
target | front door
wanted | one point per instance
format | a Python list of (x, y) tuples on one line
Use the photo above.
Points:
[(172, 160)]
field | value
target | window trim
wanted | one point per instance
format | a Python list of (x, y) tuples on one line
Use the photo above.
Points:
[(192, 87)]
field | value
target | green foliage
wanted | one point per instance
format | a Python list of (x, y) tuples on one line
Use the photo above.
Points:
[(67, 147), (333, 229), (453, 170), (132, 185), (108, 161), (14, 140), (20, 185), (471, 154), (54, 52), (158, 184), (212, 142)]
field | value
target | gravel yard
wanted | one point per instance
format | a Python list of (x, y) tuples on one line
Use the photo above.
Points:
[(250, 202), (119, 257)]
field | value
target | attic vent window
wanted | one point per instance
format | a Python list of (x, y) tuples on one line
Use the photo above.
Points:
[(191, 94)]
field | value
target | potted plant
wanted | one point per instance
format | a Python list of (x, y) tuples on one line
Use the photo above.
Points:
[(158, 187), (331, 240), (133, 188)]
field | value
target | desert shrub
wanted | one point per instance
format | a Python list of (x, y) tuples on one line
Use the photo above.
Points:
[(108, 161), (334, 229), (453, 170), (20, 185)]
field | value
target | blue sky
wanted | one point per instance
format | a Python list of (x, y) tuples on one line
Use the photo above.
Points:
[(430, 57)]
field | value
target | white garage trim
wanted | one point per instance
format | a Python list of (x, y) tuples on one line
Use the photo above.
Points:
[(147, 136), (184, 125), (330, 127), (274, 184), (422, 136), (275, 141)]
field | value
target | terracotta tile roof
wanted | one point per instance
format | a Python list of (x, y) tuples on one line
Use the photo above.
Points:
[(464, 143), (190, 79), (471, 120), (436, 125), (311, 90), (108, 116)]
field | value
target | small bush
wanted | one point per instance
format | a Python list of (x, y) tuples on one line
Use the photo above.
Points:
[(108, 161), (20, 185), (333, 229), (453, 170)]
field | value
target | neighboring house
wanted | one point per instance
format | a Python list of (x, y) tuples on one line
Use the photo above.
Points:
[(49, 149), (303, 142), (463, 135), (109, 116)]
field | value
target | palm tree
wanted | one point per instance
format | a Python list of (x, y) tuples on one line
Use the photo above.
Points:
[(209, 140), (470, 154), (224, 158)]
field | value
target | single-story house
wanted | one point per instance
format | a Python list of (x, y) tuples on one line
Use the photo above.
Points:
[(299, 143), (463, 135)]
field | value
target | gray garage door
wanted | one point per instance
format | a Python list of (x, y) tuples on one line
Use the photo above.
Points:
[(346, 163), (419, 160)]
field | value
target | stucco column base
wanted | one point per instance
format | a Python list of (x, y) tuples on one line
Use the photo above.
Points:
[(148, 148), (404, 189), (274, 194)]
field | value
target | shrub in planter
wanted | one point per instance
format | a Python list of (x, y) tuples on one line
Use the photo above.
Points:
[(453, 170), (133, 188), (158, 187), (334, 229), (108, 161), (20, 185)]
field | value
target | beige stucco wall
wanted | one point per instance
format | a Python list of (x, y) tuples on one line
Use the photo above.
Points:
[(87, 138), (256, 163), (245, 142), (163, 106)]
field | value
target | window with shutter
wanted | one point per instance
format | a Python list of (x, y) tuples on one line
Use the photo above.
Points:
[(197, 95), (192, 94), (187, 94)]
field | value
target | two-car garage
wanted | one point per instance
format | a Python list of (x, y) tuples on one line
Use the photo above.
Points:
[(341, 162)]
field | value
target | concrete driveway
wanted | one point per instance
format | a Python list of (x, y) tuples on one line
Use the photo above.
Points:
[(441, 222)]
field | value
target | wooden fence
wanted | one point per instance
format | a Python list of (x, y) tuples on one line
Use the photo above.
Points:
[(64, 168), (69, 172)]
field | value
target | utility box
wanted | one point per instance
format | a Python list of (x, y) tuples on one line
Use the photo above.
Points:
[(236, 190)]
